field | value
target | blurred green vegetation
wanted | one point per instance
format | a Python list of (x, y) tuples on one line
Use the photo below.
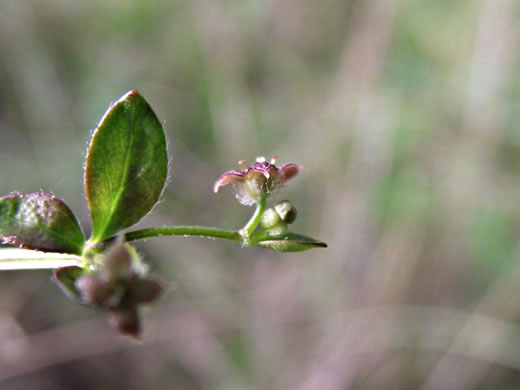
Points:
[(405, 116)]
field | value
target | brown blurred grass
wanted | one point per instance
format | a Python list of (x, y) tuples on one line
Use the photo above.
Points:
[(405, 116)]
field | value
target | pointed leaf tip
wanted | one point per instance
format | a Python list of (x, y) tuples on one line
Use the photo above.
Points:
[(291, 242), (126, 166)]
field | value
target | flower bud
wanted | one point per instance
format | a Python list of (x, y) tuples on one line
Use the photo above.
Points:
[(145, 290), (286, 211), (117, 281), (93, 289), (125, 319), (118, 262), (279, 230), (273, 224), (270, 219)]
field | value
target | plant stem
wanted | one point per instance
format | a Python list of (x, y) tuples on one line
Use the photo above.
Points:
[(18, 259), (250, 227), (202, 231), (196, 231)]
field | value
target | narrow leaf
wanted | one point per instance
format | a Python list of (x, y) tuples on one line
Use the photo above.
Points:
[(126, 166), (290, 242), (39, 221), (20, 259), (66, 277)]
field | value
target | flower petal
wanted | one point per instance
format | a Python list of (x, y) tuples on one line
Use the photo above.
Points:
[(229, 177), (288, 171)]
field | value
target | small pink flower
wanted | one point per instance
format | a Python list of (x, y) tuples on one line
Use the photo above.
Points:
[(259, 180)]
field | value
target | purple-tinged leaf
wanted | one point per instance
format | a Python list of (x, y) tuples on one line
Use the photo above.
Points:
[(39, 221)]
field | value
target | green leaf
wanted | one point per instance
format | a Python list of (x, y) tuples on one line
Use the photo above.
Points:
[(126, 166), (290, 242), (66, 277), (39, 221), (19, 259)]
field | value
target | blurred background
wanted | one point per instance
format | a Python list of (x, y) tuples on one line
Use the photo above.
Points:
[(405, 115)]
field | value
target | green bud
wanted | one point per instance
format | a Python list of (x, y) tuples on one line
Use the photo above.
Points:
[(286, 211), (279, 230), (270, 219), (272, 223)]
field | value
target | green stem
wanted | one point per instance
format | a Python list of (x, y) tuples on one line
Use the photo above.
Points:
[(250, 227), (242, 236), (196, 231), (201, 231)]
